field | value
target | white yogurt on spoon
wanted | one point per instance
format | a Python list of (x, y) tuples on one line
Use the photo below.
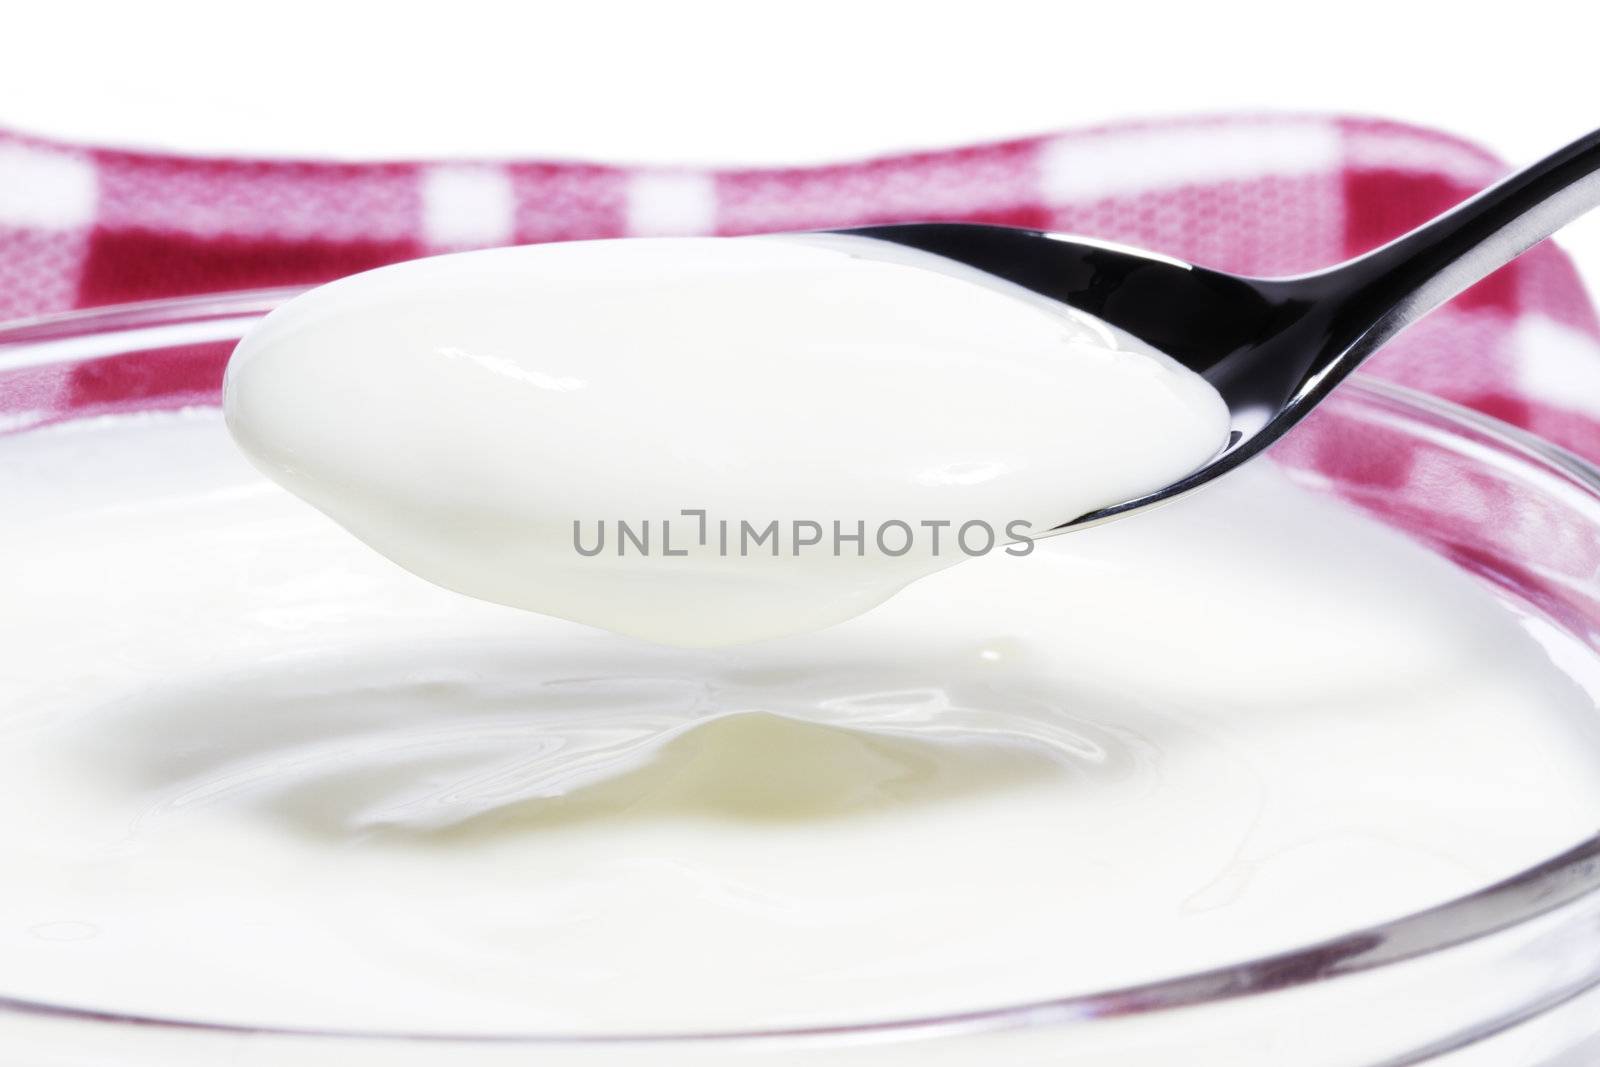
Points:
[(479, 418)]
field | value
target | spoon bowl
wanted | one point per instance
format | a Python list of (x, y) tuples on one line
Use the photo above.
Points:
[(1272, 347)]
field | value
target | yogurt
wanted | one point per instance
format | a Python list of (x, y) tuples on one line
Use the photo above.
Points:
[(257, 774), (704, 441)]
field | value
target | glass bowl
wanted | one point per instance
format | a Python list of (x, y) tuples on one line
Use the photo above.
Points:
[(1506, 977)]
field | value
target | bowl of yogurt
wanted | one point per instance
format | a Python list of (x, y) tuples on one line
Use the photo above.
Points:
[(1303, 769)]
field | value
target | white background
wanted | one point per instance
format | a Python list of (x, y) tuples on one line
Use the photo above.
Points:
[(804, 80)]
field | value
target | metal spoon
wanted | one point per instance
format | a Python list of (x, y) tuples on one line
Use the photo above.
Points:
[(1274, 347)]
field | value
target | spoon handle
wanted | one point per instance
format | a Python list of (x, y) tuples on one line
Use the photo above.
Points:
[(1396, 284)]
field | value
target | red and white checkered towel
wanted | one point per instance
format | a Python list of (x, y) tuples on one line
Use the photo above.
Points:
[(1263, 195)]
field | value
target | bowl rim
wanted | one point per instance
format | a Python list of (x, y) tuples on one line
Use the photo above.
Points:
[(83, 335)]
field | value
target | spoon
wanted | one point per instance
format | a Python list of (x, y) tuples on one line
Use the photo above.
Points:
[(1273, 347)]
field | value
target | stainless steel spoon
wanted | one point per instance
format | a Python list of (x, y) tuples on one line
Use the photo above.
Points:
[(1274, 347)]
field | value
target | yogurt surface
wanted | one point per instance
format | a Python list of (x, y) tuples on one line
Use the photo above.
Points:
[(256, 773)]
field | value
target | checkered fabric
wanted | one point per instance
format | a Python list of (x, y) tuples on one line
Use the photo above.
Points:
[(84, 226)]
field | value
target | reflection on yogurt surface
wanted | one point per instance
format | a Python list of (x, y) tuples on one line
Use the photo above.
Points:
[(498, 738), (279, 780)]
